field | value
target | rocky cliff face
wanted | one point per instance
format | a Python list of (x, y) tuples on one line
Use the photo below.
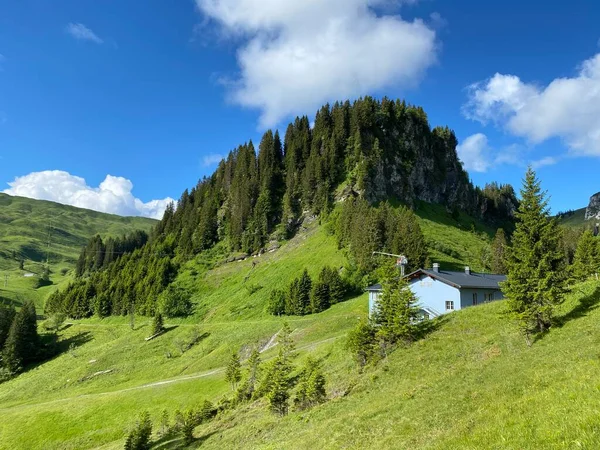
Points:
[(593, 209)]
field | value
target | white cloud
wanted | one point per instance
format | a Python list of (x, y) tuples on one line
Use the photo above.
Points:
[(295, 56), (567, 108), (81, 32), (474, 152), (547, 161), (112, 196), (211, 159)]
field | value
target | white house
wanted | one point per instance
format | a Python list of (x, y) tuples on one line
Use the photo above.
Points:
[(441, 291)]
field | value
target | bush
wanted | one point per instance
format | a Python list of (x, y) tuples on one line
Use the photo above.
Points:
[(139, 437), (276, 304)]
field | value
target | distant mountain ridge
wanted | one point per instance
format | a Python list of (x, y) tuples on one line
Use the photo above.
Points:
[(28, 225), (593, 209)]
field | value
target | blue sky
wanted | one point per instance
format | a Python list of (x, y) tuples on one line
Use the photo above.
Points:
[(151, 91)]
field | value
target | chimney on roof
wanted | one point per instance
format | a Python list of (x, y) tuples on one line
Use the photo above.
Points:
[(467, 270), (436, 267)]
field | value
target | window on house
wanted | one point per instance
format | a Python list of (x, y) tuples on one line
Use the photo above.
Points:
[(475, 298), (489, 297), (449, 305)]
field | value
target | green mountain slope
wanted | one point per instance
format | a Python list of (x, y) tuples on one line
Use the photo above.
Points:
[(26, 228), (574, 219), (88, 396)]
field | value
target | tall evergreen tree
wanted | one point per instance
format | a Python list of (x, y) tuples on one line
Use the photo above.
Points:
[(587, 256), (536, 274), (499, 250), (7, 315), (233, 372), (396, 311), (304, 291), (22, 343)]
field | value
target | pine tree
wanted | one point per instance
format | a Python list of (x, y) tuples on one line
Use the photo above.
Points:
[(319, 299), (304, 290), (158, 324), (254, 369), (279, 385), (311, 386), (396, 311), (361, 343), (286, 342), (22, 343), (586, 261), (7, 315), (139, 437), (499, 247), (536, 274), (293, 305), (233, 372), (276, 304)]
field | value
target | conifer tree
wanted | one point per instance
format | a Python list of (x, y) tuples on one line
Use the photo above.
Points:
[(139, 437), (276, 304), (536, 275), (586, 261), (292, 298), (304, 290), (499, 250), (396, 311), (22, 343), (254, 369), (279, 385), (158, 325), (319, 299), (361, 343), (233, 372), (7, 315), (311, 386)]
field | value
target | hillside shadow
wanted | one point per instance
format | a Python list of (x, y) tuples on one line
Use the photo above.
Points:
[(426, 327), (585, 305)]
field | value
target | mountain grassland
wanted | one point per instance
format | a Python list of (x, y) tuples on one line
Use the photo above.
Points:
[(471, 383), (26, 228)]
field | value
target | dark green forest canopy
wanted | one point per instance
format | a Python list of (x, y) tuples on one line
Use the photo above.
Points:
[(371, 150)]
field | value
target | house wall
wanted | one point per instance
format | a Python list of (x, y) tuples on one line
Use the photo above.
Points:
[(430, 293), (434, 294), (466, 296)]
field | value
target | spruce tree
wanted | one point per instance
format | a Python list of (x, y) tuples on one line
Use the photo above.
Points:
[(279, 385), (7, 315), (254, 369), (536, 274), (311, 386), (276, 303), (319, 299), (304, 290), (499, 247), (586, 261), (396, 311), (233, 372), (139, 437), (361, 343), (158, 324), (22, 343)]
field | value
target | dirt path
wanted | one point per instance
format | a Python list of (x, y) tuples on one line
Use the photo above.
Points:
[(154, 384)]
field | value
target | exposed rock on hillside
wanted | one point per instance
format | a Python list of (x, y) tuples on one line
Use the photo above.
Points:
[(593, 209)]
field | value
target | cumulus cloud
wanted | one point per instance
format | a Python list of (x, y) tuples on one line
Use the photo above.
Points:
[(567, 108), (547, 161), (474, 152), (81, 32), (113, 195), (295, 56), (211, 159)]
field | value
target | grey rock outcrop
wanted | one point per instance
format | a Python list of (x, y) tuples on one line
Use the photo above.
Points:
[(593, 209)]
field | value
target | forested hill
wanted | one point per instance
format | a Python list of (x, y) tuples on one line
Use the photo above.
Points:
[(369, 150)]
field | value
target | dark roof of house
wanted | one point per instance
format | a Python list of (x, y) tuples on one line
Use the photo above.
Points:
[(460, 280)]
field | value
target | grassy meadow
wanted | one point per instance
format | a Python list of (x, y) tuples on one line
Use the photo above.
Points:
[(26, 227), (471, 383)]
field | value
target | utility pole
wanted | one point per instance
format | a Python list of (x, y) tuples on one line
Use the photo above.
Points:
[(401, 261)]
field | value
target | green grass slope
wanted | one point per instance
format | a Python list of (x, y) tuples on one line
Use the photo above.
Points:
[(574, 219), (26, 227), (90, 395)]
